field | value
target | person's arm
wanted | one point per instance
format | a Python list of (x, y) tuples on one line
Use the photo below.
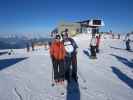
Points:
[(75, 46), (74, 43)]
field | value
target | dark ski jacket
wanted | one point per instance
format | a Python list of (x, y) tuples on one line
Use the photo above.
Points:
[(74, 46)]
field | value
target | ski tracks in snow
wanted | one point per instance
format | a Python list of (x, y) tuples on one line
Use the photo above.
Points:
[(18, 94)]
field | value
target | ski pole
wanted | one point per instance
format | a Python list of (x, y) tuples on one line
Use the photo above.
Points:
[(52, 76), (81, 76)]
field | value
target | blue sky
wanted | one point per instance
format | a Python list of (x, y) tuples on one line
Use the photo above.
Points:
[(41, 16)]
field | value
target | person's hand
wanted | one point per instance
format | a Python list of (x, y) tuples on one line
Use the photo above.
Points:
[(76, 50)]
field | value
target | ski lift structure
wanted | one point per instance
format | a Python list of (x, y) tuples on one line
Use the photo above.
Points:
[(92, 25), (86, 26)]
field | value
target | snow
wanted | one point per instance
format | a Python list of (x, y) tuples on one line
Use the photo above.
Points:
[(28, 76)]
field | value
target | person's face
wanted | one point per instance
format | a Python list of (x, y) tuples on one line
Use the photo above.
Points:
[(57, 38), (65, 36)]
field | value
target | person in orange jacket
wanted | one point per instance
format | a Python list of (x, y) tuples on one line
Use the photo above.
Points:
[(57, 53)]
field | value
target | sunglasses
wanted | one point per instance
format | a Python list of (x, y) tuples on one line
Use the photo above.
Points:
[(57, 37)]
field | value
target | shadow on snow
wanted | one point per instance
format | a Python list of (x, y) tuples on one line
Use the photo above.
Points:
[(73, 91), (124, 60), (128, 81), (120, 49), (86, 52), (4, 63), (2, 53)]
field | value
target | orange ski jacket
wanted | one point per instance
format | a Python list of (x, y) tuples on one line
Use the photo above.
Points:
[(57, 50)]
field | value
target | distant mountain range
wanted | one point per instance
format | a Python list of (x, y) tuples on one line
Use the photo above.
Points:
[(16, 43)]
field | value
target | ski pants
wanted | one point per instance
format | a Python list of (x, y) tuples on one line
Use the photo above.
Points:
[(71, 67), (97, 49), (93, 51), (58, 66)]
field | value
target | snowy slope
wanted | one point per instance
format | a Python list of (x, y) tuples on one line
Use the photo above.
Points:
[(27, 76)]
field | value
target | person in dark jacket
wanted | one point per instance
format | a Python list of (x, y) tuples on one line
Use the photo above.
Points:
[(33, 46), (28, 46), (71, 57), (127, 39)]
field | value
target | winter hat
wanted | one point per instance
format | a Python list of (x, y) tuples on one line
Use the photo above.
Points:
[(65, 33), (57, 36)]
